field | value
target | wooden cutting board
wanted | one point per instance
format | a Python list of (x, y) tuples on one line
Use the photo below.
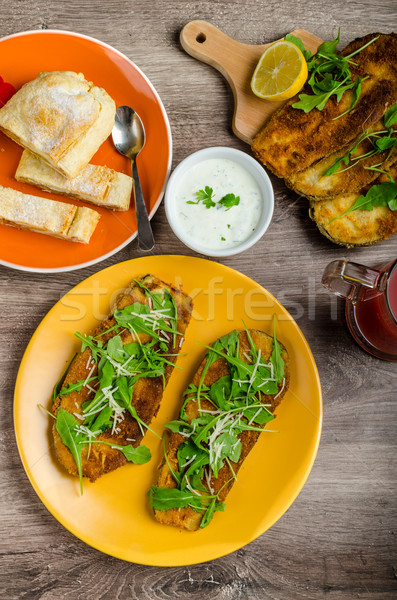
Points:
[(236, 62)]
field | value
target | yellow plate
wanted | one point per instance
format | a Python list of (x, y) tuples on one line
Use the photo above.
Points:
[(113, 515)]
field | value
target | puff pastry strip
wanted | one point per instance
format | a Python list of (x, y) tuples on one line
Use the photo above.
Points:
[(42, 215), (95, 184), (61, 117)]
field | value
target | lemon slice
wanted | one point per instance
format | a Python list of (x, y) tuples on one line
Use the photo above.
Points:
[(280, 73)]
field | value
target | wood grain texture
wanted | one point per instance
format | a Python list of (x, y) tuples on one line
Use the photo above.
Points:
[(237, 62), (338, 540)]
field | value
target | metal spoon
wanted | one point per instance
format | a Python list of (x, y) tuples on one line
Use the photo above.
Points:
[(129, 138)]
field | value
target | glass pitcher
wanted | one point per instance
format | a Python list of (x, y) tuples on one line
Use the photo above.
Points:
[(371, 303)]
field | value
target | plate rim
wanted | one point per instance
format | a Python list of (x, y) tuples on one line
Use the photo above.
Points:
[(218, 554), (170, 156)]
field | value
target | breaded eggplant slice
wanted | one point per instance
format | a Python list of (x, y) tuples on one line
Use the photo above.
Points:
[(147, 392), (292, 140), (312, 183), (188, 518), (359, 227)]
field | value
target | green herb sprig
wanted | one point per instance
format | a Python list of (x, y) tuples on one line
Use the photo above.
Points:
[(383, 194), (57, 386), (207, 195), (380, 141), (329, 75)]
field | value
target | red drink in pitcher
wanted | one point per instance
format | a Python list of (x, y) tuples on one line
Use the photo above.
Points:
[(371, 303)]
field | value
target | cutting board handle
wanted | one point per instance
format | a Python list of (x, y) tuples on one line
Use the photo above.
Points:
[(207, 43), (236, 61)]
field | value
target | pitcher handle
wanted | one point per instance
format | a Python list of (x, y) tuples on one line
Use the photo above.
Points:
[(342, 276)]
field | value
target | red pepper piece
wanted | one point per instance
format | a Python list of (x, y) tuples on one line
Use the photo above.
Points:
[(6, 91)]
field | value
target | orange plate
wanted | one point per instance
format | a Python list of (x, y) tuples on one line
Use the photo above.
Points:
[(113, 515), (22, 57)]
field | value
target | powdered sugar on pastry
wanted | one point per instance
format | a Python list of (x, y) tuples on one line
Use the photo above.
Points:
[(95, 184), (61, 117), (42, 215)]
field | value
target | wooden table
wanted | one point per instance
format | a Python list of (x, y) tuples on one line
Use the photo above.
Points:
[(338, 539)]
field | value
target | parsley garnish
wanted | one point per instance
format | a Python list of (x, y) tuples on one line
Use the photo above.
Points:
[(206, 197), (229, 200), (329, 74)]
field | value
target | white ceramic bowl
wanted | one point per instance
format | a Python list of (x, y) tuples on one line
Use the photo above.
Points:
[(246, 161)]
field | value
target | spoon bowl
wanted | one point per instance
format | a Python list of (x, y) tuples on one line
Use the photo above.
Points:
[(129, 138)]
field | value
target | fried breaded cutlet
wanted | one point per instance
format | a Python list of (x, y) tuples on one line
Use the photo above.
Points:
[(359, 227), (208, 374), (132, 319), (312, 183), (292, 140)]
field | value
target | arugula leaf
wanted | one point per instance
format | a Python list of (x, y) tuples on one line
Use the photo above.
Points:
[(392, 203), (166, 498), (307, 101), (333, 168), (103, 421), (205, 196), (115, 349), (390, 117), (229, 200), (196, 481), (386, 142), (379, 142), (383, 194), (227, 445), (129, 317), (209, 513), (329, 48), (356, 91), (329, 74), (298, 42), (65, 425), (132, 349), (139, 455), (124, 390), (75, 387), (87, 341), (189, 455), (259, 415), (165, 302), (220, 391), (177, 426), (105, 373)]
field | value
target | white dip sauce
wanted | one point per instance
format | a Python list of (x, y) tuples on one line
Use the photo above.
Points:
[(216, 227)]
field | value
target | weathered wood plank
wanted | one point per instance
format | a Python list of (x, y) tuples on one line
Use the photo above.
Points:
[(338, 539)]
